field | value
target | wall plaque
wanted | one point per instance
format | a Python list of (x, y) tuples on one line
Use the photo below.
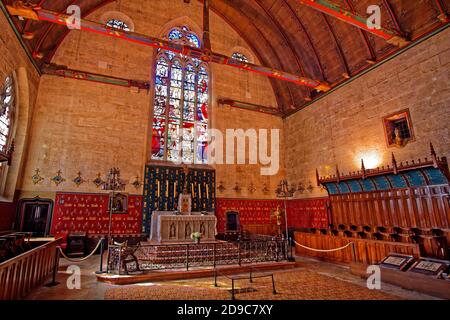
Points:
[(397, 261), (428, 266)]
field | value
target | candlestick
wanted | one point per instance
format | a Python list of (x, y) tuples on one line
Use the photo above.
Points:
[(159, 191)]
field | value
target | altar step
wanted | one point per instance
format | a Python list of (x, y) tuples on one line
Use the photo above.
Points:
[(182, 274)]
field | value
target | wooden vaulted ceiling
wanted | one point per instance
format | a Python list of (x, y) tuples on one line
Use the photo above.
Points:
[(285, 35)]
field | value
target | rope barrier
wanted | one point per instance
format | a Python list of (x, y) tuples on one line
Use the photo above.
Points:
[(81, 259), (320, 250)]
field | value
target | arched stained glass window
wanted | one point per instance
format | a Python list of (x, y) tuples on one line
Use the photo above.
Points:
[(118, 24), (180, 115), (240, 56), (6, 113)]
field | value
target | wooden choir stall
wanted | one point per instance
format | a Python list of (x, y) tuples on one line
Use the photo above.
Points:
[(400, 208)]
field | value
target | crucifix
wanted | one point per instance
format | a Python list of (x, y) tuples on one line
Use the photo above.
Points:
[(185, 199)]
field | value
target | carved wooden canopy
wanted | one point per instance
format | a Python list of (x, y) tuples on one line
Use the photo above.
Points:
[(423, 172)]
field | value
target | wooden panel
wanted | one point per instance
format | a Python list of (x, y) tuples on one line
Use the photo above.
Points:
[(422, 207), (366, 251), (18, 276)]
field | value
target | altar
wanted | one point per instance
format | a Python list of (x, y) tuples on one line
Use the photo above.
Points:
[(168, 227)]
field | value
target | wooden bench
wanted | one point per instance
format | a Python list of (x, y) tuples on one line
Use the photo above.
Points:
[(250, 277)]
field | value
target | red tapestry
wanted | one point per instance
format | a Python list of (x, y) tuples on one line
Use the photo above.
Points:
[(308, 213), (89, 213), (302, 213)]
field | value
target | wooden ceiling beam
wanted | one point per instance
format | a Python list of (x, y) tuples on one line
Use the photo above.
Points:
[(355, 20), (37, 13)]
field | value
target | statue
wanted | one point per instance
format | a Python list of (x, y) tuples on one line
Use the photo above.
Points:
[(397, 138), (173, 231)]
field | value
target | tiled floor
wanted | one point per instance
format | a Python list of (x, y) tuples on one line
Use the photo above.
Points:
[(314, 280)]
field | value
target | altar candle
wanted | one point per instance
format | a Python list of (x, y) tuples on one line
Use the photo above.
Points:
[(167, 188), (175, 188), (192, 187), (157, 181), (199, 190), (207, 191)]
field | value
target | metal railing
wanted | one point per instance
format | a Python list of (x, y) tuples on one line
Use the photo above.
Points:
[(123, 259)]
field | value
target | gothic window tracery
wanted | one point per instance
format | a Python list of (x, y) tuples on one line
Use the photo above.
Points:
[(181, 101)]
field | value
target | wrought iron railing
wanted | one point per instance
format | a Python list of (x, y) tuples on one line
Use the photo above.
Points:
[(123, 259)]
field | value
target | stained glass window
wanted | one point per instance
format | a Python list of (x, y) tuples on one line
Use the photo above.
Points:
[(181, 103), (118, 24), (6, 112), (240, 56)]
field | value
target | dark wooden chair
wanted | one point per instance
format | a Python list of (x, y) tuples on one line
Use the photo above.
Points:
[(232, 225)]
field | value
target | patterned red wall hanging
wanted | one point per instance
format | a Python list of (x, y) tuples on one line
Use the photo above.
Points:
[(74, 212), (308, 213), (302, 213)]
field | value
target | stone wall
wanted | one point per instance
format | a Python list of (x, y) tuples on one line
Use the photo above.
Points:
[(90, 127), (346, 126), (14, 62)]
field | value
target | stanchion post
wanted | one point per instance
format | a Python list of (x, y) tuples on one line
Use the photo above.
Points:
[(239, 253), (354, 252), (101, 256), (291, 258), (214, 254)]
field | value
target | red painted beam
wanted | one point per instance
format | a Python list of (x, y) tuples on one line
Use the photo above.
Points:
[(354, 20), (63, 71), (443, 17), (36, 13)]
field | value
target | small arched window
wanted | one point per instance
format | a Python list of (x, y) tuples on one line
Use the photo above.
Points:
[(181, 103), (6, 115), (240, 56), (118, 24)]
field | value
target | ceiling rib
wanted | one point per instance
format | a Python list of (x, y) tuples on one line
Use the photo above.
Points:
[(355, 20), (308, 36), (338, 47), (47, 31), (88, 12), (393, 16), (373, 56), (283, 34), (276, 53), (273, 82)]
